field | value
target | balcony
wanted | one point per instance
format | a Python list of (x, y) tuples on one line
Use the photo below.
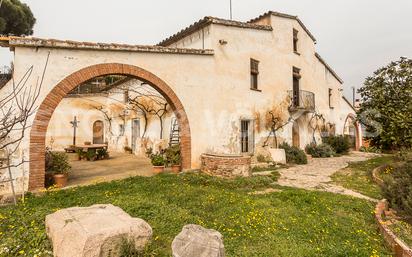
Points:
[(301, 100)]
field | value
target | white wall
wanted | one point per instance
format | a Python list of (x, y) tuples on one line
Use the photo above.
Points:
[(214, 89)]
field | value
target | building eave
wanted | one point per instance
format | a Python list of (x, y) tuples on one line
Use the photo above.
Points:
[(328, 67), (206, 21), (67, 44), (349, 103), (287, 16)]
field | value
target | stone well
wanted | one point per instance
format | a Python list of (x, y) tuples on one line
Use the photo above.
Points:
[(226, 165)]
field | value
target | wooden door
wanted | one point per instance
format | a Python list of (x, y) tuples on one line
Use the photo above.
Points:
[(98, 132), (295, 135), (135, 134), (296, 89)]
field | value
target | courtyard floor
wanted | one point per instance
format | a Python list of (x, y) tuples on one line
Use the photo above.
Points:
[(118, 166)]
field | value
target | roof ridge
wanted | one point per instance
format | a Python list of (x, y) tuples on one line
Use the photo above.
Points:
[(205, 22), (328, 67), (285, 15)]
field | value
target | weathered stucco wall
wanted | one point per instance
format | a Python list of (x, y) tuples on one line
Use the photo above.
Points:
[(214, 89), (60, 131)]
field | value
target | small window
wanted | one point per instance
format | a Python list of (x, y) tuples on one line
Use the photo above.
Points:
[(295, 40), (330, 98), (246, 136), (254, 73)]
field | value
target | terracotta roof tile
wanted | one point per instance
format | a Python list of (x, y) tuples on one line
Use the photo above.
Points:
[(284, 15), (69, 44), (207, 21)]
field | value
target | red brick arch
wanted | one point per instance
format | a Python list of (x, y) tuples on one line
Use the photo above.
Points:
[(357, 130), (49, 104)]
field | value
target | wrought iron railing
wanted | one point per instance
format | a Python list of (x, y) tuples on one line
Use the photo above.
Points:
[(301, 100)]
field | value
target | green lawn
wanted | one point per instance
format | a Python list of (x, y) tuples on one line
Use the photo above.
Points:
[(403, 230), (292, 222), (358, 176)]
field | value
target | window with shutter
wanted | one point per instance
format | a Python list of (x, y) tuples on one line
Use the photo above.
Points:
[(254, 72)]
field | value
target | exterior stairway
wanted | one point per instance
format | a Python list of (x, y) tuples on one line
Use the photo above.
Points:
[(174, 132)]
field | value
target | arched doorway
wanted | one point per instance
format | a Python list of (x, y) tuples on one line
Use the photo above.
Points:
[(49, 104), (295, 135), (98, 132), (352, 131)]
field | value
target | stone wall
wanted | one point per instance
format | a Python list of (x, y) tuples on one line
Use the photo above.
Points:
[(399, 247), (227, 166)]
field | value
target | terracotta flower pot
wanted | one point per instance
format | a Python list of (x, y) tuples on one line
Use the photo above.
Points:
[(176, 168), (158, 169), (60, 180)]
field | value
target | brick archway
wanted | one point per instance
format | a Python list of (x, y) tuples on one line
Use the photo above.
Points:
[(52, 100), (358, 139)]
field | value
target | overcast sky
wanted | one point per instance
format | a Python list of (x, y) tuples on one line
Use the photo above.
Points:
[(354, 36)]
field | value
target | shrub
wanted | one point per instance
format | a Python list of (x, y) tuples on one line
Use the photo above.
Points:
[(173, 155), (91, 155), (102, 154), (340, 144), (158, 159), (263, 158), (294, 154), (397, 188), (370, 149), (319, 151), (57, 163)]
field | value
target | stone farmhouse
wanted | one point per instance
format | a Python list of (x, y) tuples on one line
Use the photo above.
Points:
[(222, 80)]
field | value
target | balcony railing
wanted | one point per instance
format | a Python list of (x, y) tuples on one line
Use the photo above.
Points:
[(301, 100)]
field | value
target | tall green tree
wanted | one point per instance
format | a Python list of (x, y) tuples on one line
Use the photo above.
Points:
[(16, 18), (387, 105)]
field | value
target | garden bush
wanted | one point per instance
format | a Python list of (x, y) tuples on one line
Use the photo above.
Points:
[(173, 155), (397, 188), (370, 149), (263, 158), (340, 144), (294, 154), (158, 159), (57, 163), (319, 151)]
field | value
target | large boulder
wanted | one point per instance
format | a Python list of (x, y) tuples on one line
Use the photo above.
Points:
[(196, 241), (98, 230)]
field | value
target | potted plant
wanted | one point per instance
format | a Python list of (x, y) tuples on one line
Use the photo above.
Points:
[(173, 157), (158, 162), (80, 154), (176, 163), (60, 167), (102, 154), (91, 155), (49, 174)]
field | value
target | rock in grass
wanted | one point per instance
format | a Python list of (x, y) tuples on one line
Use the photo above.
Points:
[(195, 240), (98, 230)]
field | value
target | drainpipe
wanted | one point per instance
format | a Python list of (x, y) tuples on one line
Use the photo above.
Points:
[(353, 96)]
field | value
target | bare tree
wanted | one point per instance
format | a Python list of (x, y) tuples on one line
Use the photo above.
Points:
[(148, 101), (317, 122), (16, 107)]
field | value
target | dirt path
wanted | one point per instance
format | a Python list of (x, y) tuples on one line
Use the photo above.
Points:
[(316, 175)]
